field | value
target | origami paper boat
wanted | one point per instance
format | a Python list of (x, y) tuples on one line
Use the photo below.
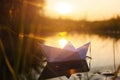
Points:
[(61, 61)]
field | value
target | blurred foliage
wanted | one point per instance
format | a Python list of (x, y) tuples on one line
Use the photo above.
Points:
[(20, 57), (21, 15)]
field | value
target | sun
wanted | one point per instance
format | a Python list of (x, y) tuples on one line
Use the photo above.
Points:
[(63, 7), (62, 42)]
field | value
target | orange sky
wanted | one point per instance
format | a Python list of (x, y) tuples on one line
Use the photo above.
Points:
[(84, 9)]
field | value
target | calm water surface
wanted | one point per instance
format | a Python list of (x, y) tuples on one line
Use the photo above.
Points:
[(105, 51)]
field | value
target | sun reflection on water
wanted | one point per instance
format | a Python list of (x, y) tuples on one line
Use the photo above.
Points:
[(62, 42)]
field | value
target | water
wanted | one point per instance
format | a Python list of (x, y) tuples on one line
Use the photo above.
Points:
[(105, 51)]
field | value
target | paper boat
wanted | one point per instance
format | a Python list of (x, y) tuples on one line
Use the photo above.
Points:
[(61, 61)]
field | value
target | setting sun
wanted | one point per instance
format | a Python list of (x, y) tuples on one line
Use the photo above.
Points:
[(63, 8), (62, 42), (82, 9)]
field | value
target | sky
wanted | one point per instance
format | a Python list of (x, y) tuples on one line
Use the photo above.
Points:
[(82, 9)]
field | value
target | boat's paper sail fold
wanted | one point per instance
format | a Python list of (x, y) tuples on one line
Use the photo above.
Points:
[(68, 53)]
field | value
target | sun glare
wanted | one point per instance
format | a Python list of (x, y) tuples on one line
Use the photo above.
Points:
[(62, 42), (63, 7)]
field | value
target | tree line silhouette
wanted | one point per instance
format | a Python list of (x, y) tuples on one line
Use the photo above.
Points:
[(106, 26)]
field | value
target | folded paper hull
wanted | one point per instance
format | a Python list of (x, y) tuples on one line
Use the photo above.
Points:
[(56, 69)]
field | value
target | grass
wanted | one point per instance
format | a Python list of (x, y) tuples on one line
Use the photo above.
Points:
[(18, 56)]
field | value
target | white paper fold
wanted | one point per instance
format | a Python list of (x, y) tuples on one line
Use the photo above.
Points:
[(68, 53)]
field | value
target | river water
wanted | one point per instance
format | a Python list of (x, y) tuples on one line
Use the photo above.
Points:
[(105, 51)]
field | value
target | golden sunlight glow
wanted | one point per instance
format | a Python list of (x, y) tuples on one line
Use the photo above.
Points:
[(63, 8), (82, 9), (62, 42)]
